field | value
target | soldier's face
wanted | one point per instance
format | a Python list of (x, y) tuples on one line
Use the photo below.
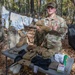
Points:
[(51, 10)]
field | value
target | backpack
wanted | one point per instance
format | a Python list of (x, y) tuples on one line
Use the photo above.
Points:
[(71, 35)]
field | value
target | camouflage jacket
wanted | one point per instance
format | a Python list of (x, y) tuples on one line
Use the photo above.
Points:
[(60, 22), (52, 37)]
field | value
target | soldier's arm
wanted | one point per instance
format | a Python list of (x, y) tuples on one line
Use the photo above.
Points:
[(62, 30), (63, 27), (39, 23)]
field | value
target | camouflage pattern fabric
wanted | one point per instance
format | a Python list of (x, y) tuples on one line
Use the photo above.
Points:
[(44, 52), (51, 38), (24, 62), (29, 55), (39, 50)]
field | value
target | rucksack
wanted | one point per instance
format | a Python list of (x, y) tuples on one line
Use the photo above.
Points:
[(71, 35)]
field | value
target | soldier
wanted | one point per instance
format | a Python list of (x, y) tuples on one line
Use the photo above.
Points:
[(50, 31)]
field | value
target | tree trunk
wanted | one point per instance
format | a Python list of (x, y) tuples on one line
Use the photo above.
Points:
[(39, 7), (32, 6), (59, 7), (73, 1), (73, 17)]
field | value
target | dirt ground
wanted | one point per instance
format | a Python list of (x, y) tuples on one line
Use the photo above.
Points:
[(66, 50)]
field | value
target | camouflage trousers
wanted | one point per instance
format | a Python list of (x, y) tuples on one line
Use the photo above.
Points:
[(51, 42)]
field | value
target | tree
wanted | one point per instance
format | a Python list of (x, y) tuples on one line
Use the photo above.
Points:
[(73, 1), (59, 7)]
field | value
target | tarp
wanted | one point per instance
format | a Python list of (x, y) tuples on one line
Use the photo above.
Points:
[(5, 17), (17, 20)]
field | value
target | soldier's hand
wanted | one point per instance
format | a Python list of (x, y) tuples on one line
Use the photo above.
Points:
[(55, 27), (50, 27), (38, 28)]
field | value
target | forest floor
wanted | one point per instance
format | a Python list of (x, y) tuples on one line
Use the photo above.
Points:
[(67, 50)]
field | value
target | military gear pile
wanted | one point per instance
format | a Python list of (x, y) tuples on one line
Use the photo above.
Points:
[(44, 52), (24, 62), (29, 55)]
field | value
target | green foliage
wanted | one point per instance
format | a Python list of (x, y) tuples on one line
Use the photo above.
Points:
[(24, 6)]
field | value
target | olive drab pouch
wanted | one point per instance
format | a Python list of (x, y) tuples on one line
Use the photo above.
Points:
[(29, 55), (24, 62)]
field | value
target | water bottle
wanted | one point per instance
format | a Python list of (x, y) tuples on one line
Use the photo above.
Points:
[(65, 60)]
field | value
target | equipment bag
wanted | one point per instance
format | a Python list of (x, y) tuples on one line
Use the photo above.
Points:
[(71, 35)]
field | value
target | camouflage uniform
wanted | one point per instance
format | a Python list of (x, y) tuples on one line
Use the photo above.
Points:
[(51, 38)]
